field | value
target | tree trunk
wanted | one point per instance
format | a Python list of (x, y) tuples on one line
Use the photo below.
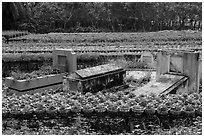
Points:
[(65, 24), (191, 24), (161, 25), (143, 22), (199, 25), (183, 24), (194, 26)]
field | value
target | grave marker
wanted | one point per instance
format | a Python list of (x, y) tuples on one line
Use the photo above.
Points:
[(65, 60), (148, 58)]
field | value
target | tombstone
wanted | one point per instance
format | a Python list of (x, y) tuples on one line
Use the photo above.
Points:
[(65, 60), (180, 63), (148, 58)]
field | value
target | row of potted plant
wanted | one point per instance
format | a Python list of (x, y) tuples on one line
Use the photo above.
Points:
[(109, 103), (121, 111)]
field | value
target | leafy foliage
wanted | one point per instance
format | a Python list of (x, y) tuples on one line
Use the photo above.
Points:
[(47, 113), (43, 17), (43, 71)]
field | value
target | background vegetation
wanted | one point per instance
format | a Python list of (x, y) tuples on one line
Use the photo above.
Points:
[(43, 17)]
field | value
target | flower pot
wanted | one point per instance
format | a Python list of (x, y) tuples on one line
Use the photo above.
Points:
[(13, 114), (198, 112), (150, 111), (19, 114), (29, 114), (5, 114), (124, 112), (51, 113), (175, 112), (61, 112), (163, 113), (188, 113), (112, 112), (67, 112), (75, 111), (40, 113), (101, 112), (137, 112), (87, 112)]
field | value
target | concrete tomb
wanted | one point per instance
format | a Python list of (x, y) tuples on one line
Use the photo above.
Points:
[(175, 72), (96, 78), (180, 63), (65, 60)]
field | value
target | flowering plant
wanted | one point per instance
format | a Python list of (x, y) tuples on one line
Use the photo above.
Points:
[(150, 108), (124, 107), (162, 109), (176, 107), (189, 108), (100, 107), (137, 108)]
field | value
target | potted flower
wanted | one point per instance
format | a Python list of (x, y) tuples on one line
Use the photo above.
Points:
[(131, 102), (76, 106), (87, 109), (51, 111), (67, 110), (198, 110), (185, 95), (196, 95), (198, 107), (120, 94), (137, 110), (131, 95), (162, 110), (40, 110), (112, 109), (175, 109), (75, 109), (124, 110), (188, 110), (5, 113), (143, 101), (62, 111), (100, 109), (150, 109), (27, 111), (14, 111)]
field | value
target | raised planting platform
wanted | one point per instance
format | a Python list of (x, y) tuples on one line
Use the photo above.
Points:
[(34, 85), (165, 84)]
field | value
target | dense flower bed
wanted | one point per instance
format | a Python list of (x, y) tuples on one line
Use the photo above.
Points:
[(100, 41), (121, 103)]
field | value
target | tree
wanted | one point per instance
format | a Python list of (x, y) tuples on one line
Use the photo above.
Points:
[(102, 16), (12, 13)]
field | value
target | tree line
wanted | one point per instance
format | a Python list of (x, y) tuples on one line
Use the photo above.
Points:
[(43, 17)]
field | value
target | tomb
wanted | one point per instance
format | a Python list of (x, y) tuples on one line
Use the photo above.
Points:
[(175, 72), (180, 63), (63, 59), (96, 78)]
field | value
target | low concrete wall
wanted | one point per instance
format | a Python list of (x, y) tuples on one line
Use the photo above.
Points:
[(45, 82)]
